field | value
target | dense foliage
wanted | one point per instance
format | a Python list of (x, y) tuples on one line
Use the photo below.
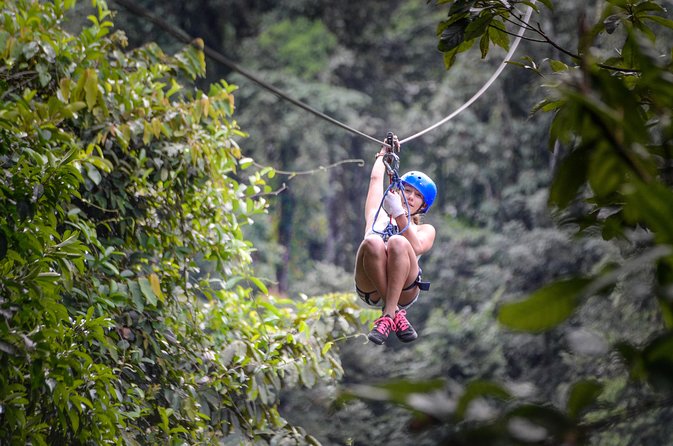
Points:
[(129, 313)]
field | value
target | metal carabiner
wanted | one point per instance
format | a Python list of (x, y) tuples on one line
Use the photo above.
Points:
[(391, 160), (392, 163)]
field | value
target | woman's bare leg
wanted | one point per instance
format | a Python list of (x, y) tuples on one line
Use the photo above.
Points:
[(401, 269), (370, 267)]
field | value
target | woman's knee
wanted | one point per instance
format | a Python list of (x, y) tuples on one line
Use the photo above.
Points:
[(373, 245), (398, 244)]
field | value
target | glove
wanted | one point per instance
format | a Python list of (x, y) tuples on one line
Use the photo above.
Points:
[(392, 204)]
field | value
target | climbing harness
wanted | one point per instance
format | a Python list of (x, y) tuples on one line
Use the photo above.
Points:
[(218, 57), (423, 285)]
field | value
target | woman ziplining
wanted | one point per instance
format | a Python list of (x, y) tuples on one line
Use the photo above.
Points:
[(387, 273)]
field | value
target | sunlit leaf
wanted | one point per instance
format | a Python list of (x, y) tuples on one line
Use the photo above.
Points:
[(91, 87), (147, 291), (498, 35), (557, 65), (259, 284), (156, 286)]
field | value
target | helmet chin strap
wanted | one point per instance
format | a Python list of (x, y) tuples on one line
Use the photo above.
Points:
[(420, 210)]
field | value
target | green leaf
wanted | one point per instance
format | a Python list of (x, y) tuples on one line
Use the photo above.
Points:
[(484, 45), (660, 20), (569, 177), (606, 172), (498, 36), (452, 36), (582, 395), (74, 419), (654, 363), (91, 87), (100, 163), (259, 284), (43, 74), (647, 6), (545, 308), (73, 108), (93, 174), (30, 49), (230, 283), (478, 26), (244, 163), (620, 3), (651, 205), (147, 291), (450, 58), (557, 65), (136, 295), (156, 286)]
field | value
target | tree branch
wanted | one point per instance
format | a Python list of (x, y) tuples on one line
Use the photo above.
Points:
[(360, 162), (545, 39)]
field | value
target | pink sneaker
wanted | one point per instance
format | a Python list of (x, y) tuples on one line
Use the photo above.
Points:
[(405, 332), (382, 328)]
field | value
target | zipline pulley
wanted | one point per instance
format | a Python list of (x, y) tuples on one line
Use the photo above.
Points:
[(391, 159)]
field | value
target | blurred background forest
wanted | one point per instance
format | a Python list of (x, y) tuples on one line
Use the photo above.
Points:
[(375, 66)]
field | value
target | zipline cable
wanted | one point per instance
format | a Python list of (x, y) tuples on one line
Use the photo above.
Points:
[(486, 86), (219, 57)]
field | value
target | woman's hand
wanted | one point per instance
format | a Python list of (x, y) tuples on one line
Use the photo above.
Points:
[(392, 204)]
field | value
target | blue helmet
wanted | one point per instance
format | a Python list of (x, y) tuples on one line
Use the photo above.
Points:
[(423, 184)]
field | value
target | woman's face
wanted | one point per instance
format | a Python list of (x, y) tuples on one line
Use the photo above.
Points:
[(414, 198)]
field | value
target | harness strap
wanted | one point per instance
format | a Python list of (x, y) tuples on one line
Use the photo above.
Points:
[(422, 285)]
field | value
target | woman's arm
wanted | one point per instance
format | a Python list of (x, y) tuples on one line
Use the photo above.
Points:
[(375, 189), (420, 237)]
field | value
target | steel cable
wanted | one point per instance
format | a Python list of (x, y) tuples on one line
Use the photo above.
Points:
[(219, 57)]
